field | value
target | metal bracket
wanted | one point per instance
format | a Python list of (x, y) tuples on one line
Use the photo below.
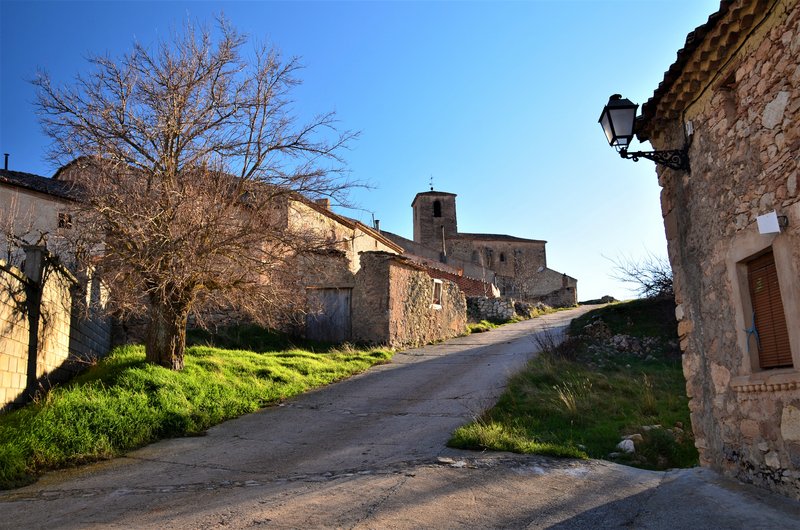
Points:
[(674, 158)]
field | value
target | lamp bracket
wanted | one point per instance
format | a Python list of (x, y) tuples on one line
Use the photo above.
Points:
[(673, 158)]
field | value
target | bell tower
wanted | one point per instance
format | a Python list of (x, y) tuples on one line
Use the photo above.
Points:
[(434, 217)]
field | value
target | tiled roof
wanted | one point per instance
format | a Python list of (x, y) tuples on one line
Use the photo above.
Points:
[(706, 50), (48, 186)]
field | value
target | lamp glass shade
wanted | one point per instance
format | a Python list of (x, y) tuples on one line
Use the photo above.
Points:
[(617, 120)]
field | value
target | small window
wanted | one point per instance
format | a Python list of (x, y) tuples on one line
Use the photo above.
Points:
[(768, 322), (437, 294), (64, 220), (502, 257), (475, 257), (437, 209)]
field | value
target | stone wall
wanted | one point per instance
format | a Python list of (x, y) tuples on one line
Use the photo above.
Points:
[(393, 304), (430, 256), (505, 255), (546, 285), (343, 235), (745, 111), (564, 297), (428, 228), (491, 309)]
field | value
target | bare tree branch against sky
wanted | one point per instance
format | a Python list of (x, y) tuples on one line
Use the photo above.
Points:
[(185, 155), (498, 101)]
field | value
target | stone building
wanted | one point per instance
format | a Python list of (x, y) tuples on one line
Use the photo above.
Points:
[(400, 303), (517, 266), (332, 280), (733, 97)]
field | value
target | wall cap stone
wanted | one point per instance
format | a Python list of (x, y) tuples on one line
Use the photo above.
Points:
[(770, 381)]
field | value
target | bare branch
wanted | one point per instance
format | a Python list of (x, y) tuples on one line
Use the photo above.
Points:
[(160, 134)]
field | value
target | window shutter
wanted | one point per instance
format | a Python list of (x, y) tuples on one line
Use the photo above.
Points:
[(770, 321)]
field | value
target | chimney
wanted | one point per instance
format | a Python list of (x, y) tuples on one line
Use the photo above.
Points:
[(5, 166), (378, 225), (325, 203)]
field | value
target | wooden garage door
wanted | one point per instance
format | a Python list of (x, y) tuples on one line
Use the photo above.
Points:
[(329, 319), (770, 321)]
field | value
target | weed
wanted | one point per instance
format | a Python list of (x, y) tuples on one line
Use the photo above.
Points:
[(573, 393), (583, 395), (649, 406)]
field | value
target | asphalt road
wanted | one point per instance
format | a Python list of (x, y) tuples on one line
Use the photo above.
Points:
[(370, 452)]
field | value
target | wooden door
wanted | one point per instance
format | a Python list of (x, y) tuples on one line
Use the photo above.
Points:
[(329, 315)]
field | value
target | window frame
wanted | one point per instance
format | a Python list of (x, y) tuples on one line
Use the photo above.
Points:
[(744, 247), (769, 315), (438, 294)]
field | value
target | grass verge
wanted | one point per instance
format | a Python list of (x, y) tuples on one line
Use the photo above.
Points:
[(123, 403), (617, 374), (481, 327)]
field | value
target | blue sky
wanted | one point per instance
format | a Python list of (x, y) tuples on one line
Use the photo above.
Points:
[(497, 101)]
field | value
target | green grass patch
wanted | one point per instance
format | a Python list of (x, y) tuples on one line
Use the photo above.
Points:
[(580, 398), (639, 318), (123, 402), (482, 326)]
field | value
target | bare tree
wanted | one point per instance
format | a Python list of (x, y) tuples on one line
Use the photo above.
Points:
[(186, 156), (651, 275)]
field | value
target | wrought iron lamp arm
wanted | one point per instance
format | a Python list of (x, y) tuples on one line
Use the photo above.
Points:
[(674, 158)]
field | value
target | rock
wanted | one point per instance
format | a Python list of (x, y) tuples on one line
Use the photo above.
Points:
[(635, 438), (626, 446), (648, 428), (772, 460), (597, 330)]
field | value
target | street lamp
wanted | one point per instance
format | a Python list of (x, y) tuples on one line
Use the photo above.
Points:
[(618, 120)]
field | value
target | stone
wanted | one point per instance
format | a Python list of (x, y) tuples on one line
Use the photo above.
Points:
[(635, 438), (626, 446), (685, 327), (750, 429), (790, 423), (772, 460), (721, 376), (773, 112)]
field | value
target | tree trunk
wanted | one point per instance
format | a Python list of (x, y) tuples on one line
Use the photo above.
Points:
[(166, 335)]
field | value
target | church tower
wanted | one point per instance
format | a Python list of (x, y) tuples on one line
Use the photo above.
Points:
[(434, 217)]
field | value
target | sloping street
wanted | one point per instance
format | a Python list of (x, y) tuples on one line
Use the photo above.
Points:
[(370, 452)]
